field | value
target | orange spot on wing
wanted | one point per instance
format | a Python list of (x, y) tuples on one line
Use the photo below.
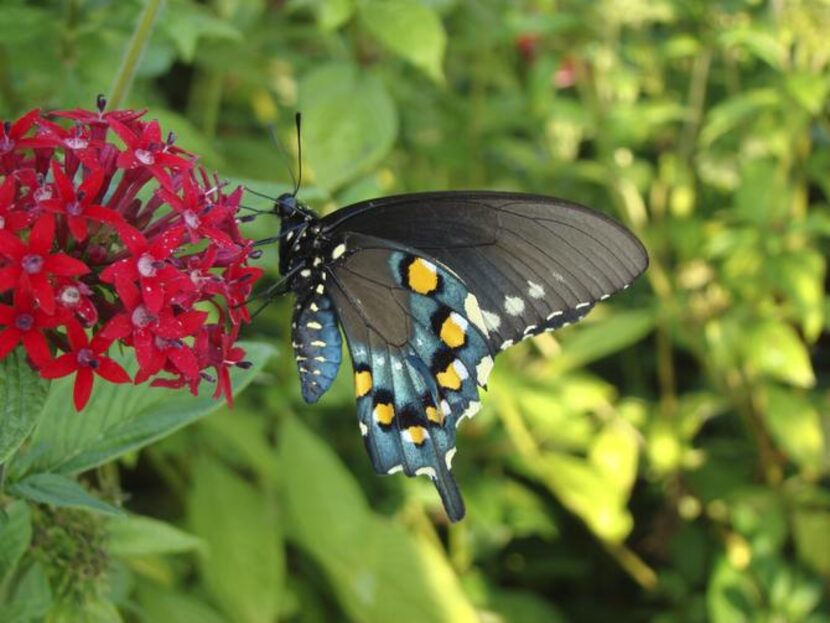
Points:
[(362, 383), (452, 334), (384, 413), (449, 378), (417, 434), (434, 415), (422, 276)]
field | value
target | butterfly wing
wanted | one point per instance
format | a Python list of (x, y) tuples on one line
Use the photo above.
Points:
[(534, 263), (419, 350)]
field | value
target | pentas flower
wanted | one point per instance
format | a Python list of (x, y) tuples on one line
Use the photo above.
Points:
[(101, 244)]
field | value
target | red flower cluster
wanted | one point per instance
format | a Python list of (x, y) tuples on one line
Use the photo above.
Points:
[(100, 244)]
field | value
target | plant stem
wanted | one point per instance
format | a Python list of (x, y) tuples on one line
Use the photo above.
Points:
[(132, 56)]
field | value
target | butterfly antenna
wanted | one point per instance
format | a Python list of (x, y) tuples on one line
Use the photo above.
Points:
[(275, 138), (298, 118)]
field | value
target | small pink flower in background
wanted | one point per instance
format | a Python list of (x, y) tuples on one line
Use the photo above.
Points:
[(102, 245)]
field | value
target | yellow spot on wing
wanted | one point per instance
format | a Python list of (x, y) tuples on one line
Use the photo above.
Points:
[(423, 276), (417, 434), (449, 378), (384, 413), (452, 334), (362, 383), (434, 415)]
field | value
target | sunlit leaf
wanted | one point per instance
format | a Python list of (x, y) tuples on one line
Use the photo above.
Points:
[(774, 349), (158, 604), (794, 424)]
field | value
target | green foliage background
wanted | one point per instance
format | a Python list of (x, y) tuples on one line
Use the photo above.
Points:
[(666, 460)]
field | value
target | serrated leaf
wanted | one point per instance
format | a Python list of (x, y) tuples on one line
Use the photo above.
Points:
[(15, 535), (775, 350), (794, 424), (121, 418), (410, 30), (350, 123), (143, 536), (379, 571), (243, 563), (22, 394), (60, 490)]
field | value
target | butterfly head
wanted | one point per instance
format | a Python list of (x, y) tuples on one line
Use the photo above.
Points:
[(286, 205)]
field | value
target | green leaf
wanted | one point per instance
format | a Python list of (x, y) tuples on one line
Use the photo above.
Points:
[(350, 123), (60, 490), (595, 340), (775, 350), (31, 598), (587, 492), (731, 596), (801, 276), (726, 116), (186, 23), (614, 453), (22, 394), (158, 604), (808, 89), (379, 571), (122, 418), (795, 425), (15, 535), (410, 30), (332, 14), (811, 525), (142, 536), (243, 565)]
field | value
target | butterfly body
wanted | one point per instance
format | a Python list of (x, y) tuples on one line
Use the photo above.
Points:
[(428, 288)]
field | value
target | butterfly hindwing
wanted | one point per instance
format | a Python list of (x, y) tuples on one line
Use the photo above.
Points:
[(419, 351), (534, 263)]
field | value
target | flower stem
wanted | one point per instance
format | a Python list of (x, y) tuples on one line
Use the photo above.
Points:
[(132, 56)]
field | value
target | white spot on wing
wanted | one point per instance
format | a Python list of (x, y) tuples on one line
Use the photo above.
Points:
[(395, 469), (513, 305), (460, 369), (314, 325), (449, 456), (534, 290), (493, 321), (581, 305), (339, 250), (426, 471), (471, 410), (506, 344), (473, 312), (483, 369), (364, 430)]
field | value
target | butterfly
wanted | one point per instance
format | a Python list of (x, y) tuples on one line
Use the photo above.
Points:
[(427, 289)]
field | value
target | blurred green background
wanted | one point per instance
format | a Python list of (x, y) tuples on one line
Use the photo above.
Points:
[(666, 460)]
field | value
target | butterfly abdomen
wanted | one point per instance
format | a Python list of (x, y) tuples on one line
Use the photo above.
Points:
[(317, 345)]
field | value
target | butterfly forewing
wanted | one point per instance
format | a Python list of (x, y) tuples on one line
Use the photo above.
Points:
[(534, 263)]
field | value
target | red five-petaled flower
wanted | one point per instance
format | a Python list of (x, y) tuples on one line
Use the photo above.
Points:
[(79, 207), (86, 360), (31, 263), (25, 323)]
